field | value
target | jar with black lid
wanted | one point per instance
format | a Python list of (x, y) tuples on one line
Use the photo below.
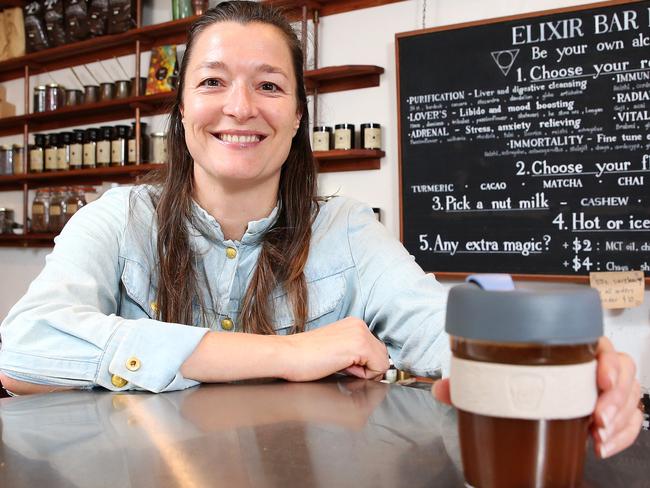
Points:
[(63, 151), (144, 144), (37, 154), (120, 146), (50, 152), (77, 149), (54, 97), (106, 135), (90, 148), (370, 136), (344, 136)]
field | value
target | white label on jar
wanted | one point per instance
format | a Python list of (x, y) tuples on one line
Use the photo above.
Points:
[(76, 153), (50, 159), (159, 150), (131, 150), (104, 152), (89, 154), (36, 160), (321, 141), (372, 138), (524, 392), (342, 139), (61, 163)]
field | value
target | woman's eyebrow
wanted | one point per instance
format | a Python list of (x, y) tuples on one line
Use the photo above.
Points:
[(262, 68)]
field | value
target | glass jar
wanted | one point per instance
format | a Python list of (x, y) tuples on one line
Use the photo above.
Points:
[(77, 149), (158, 148), (322, 138), (6, 221), (144, 144), (40, 211), (106, 135), (63, 152), (370, 135), (19, 159), (54, 97), (56, 211), (74, 200), (120, 145), (6, 160), (90, 148), (51, 152), (37, 154), (39, 99)]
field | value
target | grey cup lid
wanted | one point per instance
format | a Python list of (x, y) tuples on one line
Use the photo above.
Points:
[(563, 314)]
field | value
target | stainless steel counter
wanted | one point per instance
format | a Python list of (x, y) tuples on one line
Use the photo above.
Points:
[(338, 432)]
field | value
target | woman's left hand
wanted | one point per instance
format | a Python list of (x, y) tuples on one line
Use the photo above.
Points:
[(617, 419)]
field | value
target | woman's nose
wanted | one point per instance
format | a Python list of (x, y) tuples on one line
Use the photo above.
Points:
[(240, 103)]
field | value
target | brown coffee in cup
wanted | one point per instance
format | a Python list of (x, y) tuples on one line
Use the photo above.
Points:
[(523, 378)]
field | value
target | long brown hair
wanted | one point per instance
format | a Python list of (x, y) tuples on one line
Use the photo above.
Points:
[(284, 247)]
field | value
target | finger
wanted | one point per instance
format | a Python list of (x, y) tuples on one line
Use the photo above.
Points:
[(440, 390), (608, 365), (356, 371), (614, 399), (624, 438), (621, 420)]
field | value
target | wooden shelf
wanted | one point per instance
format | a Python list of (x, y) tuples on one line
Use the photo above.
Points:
[(348, 160), (293, 8), (11, 3), (341, 78), (29, 240), (91, 176)]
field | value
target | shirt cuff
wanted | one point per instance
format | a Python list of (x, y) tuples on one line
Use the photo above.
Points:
[(147, 354)]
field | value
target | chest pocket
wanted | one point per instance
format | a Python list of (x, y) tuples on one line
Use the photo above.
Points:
[(324, 296), (140, 299)]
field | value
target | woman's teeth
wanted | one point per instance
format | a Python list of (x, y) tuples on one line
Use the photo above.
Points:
[(239, 139)]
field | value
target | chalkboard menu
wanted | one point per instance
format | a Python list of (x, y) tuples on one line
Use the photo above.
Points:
[(525, 142)]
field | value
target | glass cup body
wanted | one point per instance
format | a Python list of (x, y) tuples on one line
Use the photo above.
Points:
[(511, 453)]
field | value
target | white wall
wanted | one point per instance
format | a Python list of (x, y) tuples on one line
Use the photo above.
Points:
[(367, 37)]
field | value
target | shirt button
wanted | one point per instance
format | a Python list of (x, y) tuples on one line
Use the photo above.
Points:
[(118, 381), (154, 307), (231, 253), (226, 324), (133, 364)]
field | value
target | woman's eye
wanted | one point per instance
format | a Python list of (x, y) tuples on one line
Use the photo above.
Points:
[(270, 87), (211, 82)]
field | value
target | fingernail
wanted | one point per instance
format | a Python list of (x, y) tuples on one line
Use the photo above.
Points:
[(603, 451), (607, 415)]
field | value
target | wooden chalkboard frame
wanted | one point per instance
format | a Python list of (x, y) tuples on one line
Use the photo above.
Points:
[(495, 20)]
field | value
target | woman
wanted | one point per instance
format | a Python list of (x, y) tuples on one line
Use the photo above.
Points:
[(235, 242)]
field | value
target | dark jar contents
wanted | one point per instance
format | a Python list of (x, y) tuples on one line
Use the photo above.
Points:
[(77, 149), (40, 211), (75, 199), (39, 98), (37, 154), (51, 152), (144, 144), (506, 452), (56, 211), (90, 148), (120, 146), (106, 135)]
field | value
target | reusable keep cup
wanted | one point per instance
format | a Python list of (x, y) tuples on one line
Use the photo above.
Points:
[(523, 379)]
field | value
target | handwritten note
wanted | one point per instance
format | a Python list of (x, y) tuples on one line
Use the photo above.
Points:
[(619, 289)]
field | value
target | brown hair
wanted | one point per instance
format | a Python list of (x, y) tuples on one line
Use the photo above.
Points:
[(284, 247)]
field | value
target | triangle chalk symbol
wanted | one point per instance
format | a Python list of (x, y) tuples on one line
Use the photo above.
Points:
[(505, 67)]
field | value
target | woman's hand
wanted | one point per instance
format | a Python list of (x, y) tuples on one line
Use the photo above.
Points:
[(346, 345), (617, 419)]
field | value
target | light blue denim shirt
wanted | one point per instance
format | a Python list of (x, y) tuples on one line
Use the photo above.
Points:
[(91, 309)]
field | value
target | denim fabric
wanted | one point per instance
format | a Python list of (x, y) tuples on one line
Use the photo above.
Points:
[(91, 308)]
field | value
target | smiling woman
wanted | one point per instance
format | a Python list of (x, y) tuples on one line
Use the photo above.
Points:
[(228, 266)]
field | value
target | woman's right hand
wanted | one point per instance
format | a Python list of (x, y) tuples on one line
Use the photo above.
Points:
[(345, 346)]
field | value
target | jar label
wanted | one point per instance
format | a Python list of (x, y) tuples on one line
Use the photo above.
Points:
[(321, 141), (36, 160), (61, 162), (71, 208), (524, 392), (116, 152), (104, 152), (131, 150), (372, 138), (343, 139), (76, 154), (55, 210), (50, 159), (89, 155), (38, 209)]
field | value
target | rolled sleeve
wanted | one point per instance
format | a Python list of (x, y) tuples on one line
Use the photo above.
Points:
[(159, 350)]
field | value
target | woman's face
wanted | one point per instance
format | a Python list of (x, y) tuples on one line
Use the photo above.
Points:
[(239, 104)]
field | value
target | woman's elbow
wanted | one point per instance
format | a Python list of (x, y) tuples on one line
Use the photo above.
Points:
[(18, 387)]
